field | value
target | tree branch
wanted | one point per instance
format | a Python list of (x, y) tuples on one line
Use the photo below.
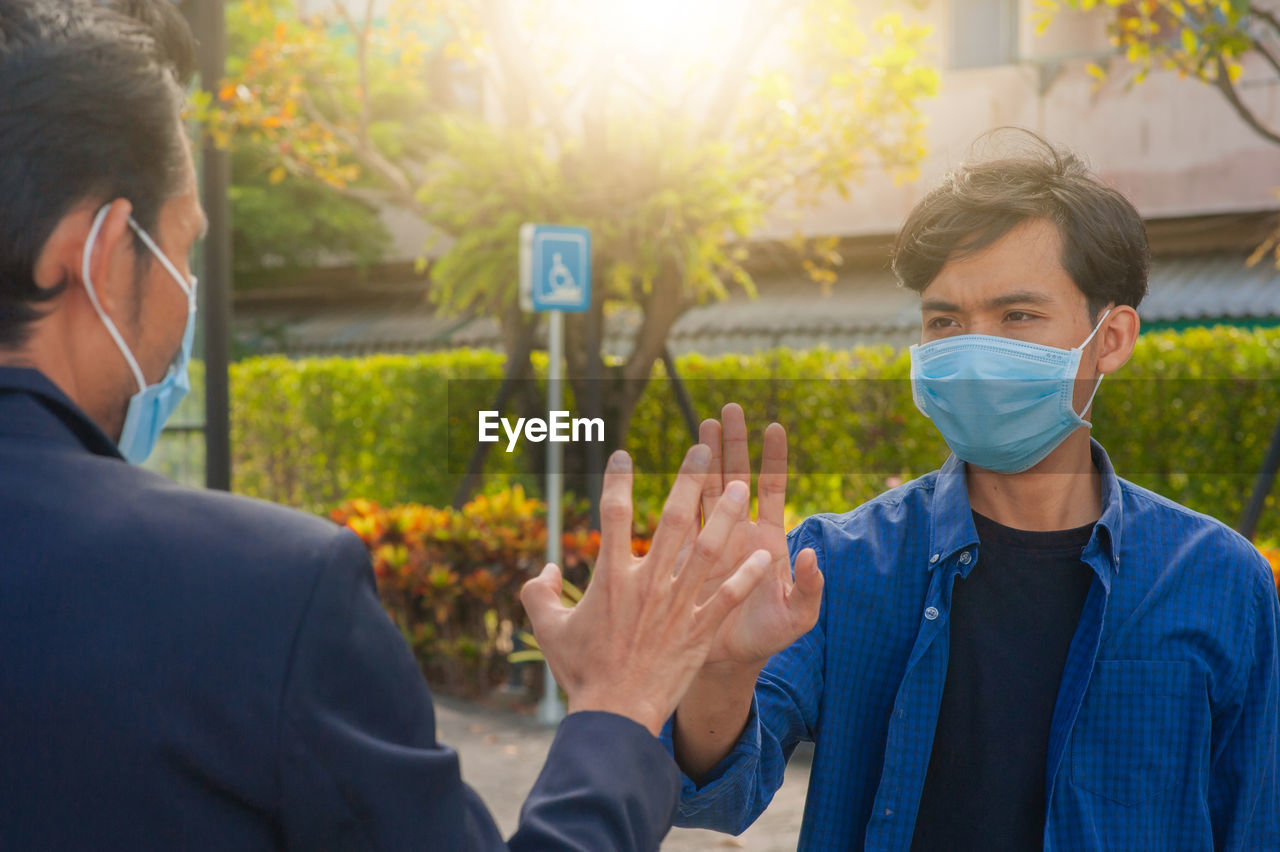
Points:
[(360, 33), (729, 90), (362, 57), (1266, 16), (664, 306), (518, 67), (1266, 54), (369, 156), (1228, 89)]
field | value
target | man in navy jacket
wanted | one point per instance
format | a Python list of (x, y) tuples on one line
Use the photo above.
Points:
[(188, 669)]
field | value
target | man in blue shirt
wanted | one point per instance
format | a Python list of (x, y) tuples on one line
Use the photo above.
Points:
[(1020, 650)]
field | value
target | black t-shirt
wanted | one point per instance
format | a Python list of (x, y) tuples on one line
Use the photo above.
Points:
[(1012, 620)]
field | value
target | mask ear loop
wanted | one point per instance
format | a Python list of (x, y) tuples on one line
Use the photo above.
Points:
[(188, 287), (191, 284), (97, 306), (1098, 383)]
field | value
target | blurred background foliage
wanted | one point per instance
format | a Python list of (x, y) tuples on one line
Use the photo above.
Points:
[(672, 144), (1231, 45)]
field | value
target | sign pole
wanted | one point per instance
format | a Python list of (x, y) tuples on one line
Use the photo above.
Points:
[(551, 711), (555, 276)]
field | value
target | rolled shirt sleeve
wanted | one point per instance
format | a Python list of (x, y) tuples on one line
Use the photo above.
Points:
[(784, 712)]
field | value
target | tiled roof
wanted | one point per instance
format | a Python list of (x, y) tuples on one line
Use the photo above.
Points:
[(865, 307), (1211, 286)]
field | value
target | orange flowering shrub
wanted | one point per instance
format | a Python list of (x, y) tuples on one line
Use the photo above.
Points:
[(1272, 555), (451, 579)]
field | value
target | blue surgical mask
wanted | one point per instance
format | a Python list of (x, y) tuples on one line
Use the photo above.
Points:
[(1000, 404), (152, 405)]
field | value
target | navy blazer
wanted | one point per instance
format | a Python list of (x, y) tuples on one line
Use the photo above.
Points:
[(186, 669)]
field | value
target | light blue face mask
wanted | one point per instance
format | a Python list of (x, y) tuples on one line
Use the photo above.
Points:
[(152, 405), (1000, 404)]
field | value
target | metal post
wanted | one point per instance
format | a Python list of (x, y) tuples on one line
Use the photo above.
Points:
[(551, 710), (593, 408), (215, 284), (681, 394), (1261, 486)]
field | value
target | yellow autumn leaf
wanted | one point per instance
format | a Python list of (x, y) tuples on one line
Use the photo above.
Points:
[(278, 174)]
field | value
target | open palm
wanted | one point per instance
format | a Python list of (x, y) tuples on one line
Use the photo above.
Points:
[(781, 608)]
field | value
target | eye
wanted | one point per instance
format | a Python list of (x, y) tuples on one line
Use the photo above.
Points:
[(1018, 316), (941, 322)]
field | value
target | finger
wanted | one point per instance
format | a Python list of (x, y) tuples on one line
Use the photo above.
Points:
[(737, 455), (732, 592), (686, 546), (680, 512), (541, 599), (772, 486), (713, 485), (804, 600), (615, 512), (710, 544)]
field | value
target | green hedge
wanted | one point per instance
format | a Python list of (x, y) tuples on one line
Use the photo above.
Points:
[(1189, 417), (313, 433)]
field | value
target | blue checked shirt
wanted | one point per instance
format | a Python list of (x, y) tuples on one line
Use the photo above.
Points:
[(1164, 735)]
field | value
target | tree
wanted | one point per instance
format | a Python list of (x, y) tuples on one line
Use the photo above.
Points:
[(1218, 42), (281, 227), (479, 115)]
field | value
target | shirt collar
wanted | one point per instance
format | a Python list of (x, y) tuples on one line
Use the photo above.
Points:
[(951, 522), (1111, 523), (33, 405)]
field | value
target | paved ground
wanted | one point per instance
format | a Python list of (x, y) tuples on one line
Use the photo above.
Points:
[(502, 754)]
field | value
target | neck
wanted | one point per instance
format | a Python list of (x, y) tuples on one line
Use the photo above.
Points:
[(57, 364), (1063, 491)]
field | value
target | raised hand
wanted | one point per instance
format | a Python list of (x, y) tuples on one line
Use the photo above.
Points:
[(642, 630), (781, 608)]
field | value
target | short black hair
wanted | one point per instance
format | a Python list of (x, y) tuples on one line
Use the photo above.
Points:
[(1104, 242), (90, 105), (168, 27)]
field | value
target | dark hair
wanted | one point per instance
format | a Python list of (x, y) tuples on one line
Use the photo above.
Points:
[(89, 110), (1104, 243), (165, 23)]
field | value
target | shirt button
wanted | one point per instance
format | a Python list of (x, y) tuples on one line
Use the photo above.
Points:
[(933, 559), (931, 613), (965, 557)]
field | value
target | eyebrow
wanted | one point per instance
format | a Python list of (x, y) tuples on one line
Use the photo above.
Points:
[(1018, 297)]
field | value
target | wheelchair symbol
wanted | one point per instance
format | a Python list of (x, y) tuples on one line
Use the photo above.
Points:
[(561, 286), (560, 278)]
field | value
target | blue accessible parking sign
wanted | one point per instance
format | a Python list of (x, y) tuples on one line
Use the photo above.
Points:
[(555, 268)]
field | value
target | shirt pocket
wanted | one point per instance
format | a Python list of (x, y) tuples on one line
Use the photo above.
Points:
[(1131, 737)]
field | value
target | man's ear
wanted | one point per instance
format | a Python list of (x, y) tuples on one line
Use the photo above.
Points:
[(111, 260), (1117, 337)]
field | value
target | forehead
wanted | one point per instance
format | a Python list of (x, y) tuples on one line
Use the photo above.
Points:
[(1027, 259)]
